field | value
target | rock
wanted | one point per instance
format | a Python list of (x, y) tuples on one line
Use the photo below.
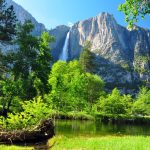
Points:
[(59, 33), (117, 50)]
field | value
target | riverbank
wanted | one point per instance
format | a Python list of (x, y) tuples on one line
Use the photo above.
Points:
[(124, 119), (103, 143), (73, 116), (106, 118)]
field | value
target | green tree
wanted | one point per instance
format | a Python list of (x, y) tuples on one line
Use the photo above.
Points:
[(94, 88), (61, 78), (27, 51), (43, 63), (115, 103), (32, 113), (86, 58), (72, 88), (28, 73), (142, 104), (133, 9), (32, 60), (9, 91), (7, 22)]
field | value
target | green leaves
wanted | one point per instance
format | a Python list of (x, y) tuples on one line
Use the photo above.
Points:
[(72, 88), (142, 104), (27, 76), (115, 103), (134, 10), (32, 60), (33, 112)]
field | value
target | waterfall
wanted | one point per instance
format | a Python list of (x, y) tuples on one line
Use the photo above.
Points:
[(64, 54)]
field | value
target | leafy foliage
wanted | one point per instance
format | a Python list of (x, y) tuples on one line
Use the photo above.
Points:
[(142, 104), (27, 69), (32, 113), (115, 103), (9, 91), (72, 88), (133, 9), (32, 60), (7, 31)]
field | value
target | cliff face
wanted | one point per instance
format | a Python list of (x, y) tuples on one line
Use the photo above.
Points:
[(122, 56), (109, 39), (23, 15), (59, 33)]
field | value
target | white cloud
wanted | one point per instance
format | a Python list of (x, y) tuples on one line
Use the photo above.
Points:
[(70, 24)]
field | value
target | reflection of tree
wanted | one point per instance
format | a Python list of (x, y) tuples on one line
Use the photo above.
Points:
[(91, 128)]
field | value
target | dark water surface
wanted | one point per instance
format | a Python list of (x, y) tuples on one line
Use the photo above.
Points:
[(92, 128)]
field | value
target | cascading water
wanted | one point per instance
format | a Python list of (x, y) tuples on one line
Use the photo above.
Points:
[(64, 54)]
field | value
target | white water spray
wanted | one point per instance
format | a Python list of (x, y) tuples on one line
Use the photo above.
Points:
[(64, 54)]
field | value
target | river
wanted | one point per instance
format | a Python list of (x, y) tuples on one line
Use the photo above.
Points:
[(92, 128)]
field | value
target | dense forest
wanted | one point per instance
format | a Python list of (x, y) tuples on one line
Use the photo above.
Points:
[(33, 87)]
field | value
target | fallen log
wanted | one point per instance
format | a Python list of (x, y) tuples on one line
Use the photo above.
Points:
[(40, 133)]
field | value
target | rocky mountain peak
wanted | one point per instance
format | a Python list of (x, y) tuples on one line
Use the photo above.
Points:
[(104, 33), (106, 17)]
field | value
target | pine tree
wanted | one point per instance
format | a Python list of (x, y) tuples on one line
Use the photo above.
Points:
[(7, 30), (86, 58), (7, 21)]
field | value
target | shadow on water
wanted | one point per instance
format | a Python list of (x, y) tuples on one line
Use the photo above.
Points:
[(91, 128)]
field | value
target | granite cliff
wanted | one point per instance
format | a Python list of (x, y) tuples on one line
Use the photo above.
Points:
[(23, 15), (122, 57)]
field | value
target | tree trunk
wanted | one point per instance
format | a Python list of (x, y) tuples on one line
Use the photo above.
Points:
[(41, 133)]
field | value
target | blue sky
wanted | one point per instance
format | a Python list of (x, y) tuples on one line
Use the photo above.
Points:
[(57, 12)]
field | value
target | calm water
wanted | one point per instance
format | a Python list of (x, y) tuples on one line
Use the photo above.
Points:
[(91, 128)]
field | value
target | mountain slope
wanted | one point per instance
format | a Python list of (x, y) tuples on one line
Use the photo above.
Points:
[(122, 56), (23, 15)]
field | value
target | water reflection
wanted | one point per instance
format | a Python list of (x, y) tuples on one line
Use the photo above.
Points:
[(91, 128)]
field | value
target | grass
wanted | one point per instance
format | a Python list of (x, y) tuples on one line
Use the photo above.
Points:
[(92, 143), (100, 143), (5, 147)]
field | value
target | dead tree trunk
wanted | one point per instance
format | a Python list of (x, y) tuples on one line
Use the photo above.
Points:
[(41, 133)]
